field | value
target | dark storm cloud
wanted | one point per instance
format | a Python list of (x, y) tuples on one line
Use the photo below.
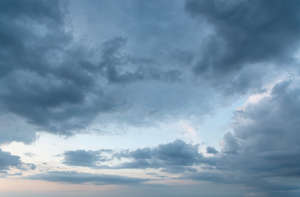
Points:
[(81, 178), (36, 84), (263, 150), (52, 82), (245, 33), (46, 79), (60, 85)]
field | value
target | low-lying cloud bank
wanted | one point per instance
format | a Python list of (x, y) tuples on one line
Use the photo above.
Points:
[(82, 178)]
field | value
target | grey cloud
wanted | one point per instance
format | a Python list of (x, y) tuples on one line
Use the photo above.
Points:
[(256, 184), (118, 67), (14, 128), (81, 178), (262, 151), (245, 33), (9, 161), (176, 157), (267, 132), (84, 158), (211, 150), (59, 85), (32, 84), (50, 82), (54, 83)]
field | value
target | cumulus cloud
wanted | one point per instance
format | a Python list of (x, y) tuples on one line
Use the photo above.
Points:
[(263, 150)]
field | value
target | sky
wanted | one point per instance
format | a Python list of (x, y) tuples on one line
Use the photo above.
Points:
[(173, 98)]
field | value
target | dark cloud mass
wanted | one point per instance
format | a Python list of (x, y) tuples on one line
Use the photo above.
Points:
[(268, 131), (246, 33), (263, 150), (58, 84), (39, 81)]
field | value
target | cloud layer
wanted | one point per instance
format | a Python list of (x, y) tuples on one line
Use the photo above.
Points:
[(81, 178), (175, 157)]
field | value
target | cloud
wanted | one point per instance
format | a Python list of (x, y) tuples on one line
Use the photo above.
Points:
[(52, 82), (176, 157), (262, 151), (84, 158), (34, 81), (82, 178), (245, 36), (211, 150), (268, 132), (14, 128), (9, 161)]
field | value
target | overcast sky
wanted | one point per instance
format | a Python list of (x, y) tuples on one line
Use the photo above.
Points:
[(166, 98)]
